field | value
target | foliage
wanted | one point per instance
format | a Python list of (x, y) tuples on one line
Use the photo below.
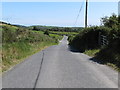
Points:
[(19, 42), (46, 32), (58, 29), (92, 52), (70, 38), (111, 53), (88, 40), (63, 33), (111, 22), (14, 53), (55, 36)]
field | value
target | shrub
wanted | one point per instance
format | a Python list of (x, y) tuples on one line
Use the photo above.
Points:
[(88, 39), (46, 32)]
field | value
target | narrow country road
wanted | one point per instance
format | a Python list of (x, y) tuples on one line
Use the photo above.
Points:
[(60, 67)]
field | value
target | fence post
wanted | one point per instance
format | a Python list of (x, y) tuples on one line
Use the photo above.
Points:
[(99, 39)]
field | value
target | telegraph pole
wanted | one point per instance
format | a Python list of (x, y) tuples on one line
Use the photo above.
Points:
[(86, 12)]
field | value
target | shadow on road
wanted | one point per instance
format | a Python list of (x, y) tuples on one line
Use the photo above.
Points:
[(70, 48), (95, 60)]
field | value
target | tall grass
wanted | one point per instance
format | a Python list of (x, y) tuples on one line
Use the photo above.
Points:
[(19, 43), (14, 53), (92, 52)]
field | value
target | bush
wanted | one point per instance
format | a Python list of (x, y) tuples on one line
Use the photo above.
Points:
[(89, 39), (8, 35), (46, 32), (70, 38), (20, 42)]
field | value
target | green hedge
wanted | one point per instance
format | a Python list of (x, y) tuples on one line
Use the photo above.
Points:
[(89, 39)]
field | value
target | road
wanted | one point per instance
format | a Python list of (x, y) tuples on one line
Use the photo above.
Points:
[(60, 67)]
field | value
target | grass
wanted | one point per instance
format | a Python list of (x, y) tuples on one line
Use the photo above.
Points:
[(55, 36), (0, 49), (41, 32), (59, 37), (113, 66), (19, 43), (14, 53), (10, 26), (92, 52), (62, 33)]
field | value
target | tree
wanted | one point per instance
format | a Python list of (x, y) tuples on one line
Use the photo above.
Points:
[(36, 28), (111, 22), (46, 32)]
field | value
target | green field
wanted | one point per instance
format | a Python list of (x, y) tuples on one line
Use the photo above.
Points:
[(63, 33)]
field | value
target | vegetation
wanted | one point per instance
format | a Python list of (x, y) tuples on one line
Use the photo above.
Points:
[(87, 41), (55, 36), (18, 42), (92, 52), (63, 33), (21, 41), (46, 32), (57, 29)]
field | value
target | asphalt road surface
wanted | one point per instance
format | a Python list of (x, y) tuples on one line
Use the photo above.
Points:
[(60, 67)]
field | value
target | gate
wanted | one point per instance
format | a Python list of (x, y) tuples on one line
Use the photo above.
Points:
[(103, 40)]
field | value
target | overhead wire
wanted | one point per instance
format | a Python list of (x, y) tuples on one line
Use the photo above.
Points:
[(79, 13)]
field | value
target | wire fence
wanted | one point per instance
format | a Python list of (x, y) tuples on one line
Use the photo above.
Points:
[(103, 40)]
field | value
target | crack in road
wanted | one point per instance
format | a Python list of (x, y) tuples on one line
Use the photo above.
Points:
[(39, 71)]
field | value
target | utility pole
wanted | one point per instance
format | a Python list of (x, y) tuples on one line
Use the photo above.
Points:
[(86, 12)]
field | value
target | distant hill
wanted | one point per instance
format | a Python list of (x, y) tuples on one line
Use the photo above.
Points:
[(42, 28)]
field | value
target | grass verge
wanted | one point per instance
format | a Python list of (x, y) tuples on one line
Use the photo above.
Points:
[(14, 53), (94, 52)]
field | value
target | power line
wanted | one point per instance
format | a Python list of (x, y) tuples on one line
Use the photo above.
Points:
[(79, 12)]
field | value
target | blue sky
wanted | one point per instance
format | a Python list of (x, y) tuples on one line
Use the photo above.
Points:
[(55, 13)]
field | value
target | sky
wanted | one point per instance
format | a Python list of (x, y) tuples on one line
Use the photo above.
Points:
[(119, 8), (56, 13)]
